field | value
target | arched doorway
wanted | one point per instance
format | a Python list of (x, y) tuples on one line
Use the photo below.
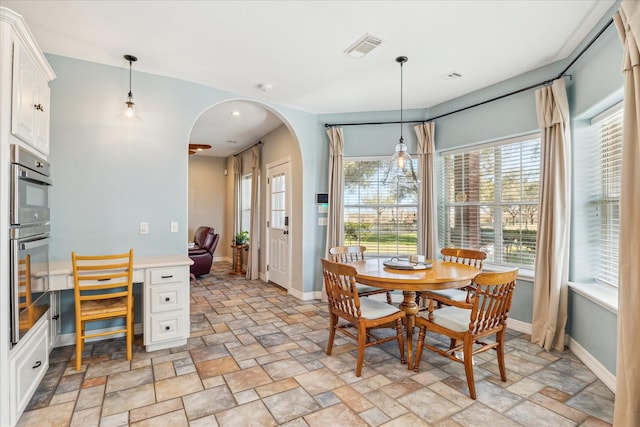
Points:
[(231, 127)]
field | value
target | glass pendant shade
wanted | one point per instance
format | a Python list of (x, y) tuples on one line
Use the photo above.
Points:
[(401, 164)]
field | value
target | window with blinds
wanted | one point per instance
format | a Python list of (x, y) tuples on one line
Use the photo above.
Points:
[(609, 139), (245, 203), (489, 200), (380, 216)]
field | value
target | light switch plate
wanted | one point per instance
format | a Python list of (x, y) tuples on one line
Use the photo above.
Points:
[(144, 228), (174, 226)]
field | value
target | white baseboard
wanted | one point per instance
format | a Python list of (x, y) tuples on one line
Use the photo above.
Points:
[(70, 339), (519, 325), (593, 364), (305, 296), (221, 258)]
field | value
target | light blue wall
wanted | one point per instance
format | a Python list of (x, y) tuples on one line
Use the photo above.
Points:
[(110, 175)]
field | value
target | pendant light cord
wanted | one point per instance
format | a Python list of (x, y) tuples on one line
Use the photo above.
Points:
[(130, 71), (401, 119)]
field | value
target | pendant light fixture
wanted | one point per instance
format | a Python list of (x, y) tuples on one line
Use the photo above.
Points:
[(401, 164), (130, 111)]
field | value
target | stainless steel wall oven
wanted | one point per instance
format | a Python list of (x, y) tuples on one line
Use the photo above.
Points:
[(29, 241)]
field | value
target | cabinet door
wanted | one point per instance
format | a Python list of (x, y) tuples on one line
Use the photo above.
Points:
[(42, 115), (23, 110)]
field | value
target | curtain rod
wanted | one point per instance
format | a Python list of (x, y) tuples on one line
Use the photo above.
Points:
[(546, 82), (247, 149)]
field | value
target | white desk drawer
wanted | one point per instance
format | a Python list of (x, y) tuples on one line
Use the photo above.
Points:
[(167, 297), (167, 275), (167, 327)]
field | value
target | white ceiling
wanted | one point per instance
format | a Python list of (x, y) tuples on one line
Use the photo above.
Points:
[(298, 47)]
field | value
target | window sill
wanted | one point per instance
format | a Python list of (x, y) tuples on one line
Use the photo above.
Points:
[(523, 273), (603, 295)]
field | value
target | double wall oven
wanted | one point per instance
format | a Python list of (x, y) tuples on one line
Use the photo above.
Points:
[(29, 240)]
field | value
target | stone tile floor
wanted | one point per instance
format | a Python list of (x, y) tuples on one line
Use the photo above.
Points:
[(256, 357)]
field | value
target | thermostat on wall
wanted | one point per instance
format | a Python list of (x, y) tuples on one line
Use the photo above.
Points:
[(322, 198)]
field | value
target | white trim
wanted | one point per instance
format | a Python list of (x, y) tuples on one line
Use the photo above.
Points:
[(493, 143), (305, 296), (603, 295), (519, 326), (70, 339), (607, 113), (593, 364)]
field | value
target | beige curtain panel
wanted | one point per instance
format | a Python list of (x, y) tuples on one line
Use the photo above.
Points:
[(253, 260), (552, 254), (237, 193), (627, 403), (335, 221), (427, 202)]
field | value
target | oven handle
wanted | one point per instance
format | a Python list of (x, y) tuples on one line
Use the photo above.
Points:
[(31, 176), (33, 243)]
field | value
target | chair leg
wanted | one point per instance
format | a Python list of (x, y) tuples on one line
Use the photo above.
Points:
[(400, 340), (362, 339), (389, 301), (467, 350), (79, 343), (419, 348), (129, 339), (500, 351), (333, 321)]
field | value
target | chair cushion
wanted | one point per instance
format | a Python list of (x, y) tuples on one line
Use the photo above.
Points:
[(366, 288), (452, 294), (105, 306), (372, 309), (454, 318)]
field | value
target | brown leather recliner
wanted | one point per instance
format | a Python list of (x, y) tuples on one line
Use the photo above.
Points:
[(206, 240)]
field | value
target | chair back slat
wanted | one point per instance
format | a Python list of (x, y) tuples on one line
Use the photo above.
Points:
[(464, 256), (92, 274), (340, 286), (345, 254), (492, 300)]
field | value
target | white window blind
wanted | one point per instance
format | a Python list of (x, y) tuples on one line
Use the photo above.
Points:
[(489, 200), (609, 135), (380, 216)]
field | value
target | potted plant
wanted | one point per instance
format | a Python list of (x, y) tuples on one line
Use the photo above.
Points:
[(241, 238)]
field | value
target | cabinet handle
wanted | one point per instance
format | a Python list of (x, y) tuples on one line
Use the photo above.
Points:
[(104, 280), (37, 365), (55, 317), (39, 107), (167, 328), (167, 276), (167, 299)]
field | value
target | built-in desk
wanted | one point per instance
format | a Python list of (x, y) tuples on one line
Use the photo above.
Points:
[(165, 289)]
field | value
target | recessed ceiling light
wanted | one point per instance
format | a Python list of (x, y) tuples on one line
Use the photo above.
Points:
[(235, 113)]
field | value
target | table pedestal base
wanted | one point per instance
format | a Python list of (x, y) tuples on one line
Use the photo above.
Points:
[(237, 265), (410, 307)]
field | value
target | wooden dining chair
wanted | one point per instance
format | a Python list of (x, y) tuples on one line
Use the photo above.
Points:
[(442, 297), (346, 254), (103, 290), (364, 314), (466, 323)]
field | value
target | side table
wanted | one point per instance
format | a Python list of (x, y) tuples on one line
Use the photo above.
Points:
[(237, 265)]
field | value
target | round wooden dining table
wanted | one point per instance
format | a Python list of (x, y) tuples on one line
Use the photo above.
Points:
[(441, 275)]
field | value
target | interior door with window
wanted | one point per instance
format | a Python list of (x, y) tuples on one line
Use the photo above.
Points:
[(278, 237)]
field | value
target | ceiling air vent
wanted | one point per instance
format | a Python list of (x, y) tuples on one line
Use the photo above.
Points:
[(364, 45)]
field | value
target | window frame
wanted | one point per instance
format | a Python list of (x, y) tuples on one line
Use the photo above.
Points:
[(496, 205)]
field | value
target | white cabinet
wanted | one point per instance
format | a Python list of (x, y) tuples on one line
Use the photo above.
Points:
[(30, 100), (166, 307), (54, 319), (27, 366)]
